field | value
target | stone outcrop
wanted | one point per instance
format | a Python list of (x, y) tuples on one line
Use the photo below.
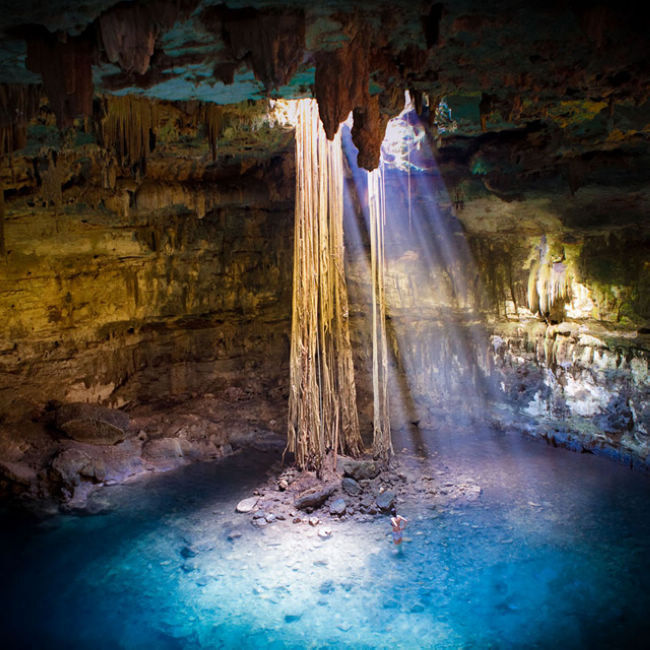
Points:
[(92, 423)]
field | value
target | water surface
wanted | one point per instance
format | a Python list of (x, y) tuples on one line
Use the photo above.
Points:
[(555, 553)]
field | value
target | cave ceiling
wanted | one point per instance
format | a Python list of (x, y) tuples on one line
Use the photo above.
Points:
[(554, 92), (499, 64)]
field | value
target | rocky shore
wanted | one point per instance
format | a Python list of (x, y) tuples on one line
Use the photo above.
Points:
[(358, 489), (69, 451)]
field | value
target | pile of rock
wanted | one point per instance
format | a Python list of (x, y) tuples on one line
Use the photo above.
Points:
[(360, 489)]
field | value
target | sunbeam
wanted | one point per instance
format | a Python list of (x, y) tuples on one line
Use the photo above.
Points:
[(440, 361)]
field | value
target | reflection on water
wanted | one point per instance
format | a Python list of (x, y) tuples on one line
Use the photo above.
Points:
[(554, 553)]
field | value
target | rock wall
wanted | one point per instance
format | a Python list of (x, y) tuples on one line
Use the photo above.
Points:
[(501, 313), (124, 312), (584, 387), (160, 284), (165, 295)]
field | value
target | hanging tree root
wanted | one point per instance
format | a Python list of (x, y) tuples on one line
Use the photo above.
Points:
[(323, 418)]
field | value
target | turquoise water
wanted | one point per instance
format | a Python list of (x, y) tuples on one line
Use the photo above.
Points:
[(555, 553)]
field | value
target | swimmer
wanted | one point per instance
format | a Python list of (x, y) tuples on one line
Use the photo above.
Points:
[(399, 524)]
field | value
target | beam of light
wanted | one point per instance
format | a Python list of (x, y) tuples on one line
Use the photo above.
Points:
[(440, 359)]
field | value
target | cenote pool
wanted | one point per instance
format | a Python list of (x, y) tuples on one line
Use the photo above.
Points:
[(555, 553)]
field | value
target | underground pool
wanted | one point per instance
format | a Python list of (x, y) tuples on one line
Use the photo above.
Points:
[(553, 552)]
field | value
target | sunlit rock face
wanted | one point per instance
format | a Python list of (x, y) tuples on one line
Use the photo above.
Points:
[(576, 385)]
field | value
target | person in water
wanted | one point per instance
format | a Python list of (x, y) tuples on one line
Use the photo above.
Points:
[(399, 524)]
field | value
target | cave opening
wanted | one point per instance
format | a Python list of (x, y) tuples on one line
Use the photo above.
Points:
[(274, 274)]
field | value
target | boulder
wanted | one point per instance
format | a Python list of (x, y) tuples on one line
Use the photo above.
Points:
[(71, 466), (92, 423), (18, 472), (162, 449), (385, 501), (315, 497), (350, 486), (198, 449), (338, 507), (360, 469)]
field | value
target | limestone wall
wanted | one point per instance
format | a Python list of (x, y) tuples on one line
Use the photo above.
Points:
[(500, 313)]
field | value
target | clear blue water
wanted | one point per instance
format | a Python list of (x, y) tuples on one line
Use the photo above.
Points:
[(555, 553)]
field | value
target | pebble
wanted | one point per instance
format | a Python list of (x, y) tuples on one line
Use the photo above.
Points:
[(327, 587), (314, 521), (325, 533), (246, 505)]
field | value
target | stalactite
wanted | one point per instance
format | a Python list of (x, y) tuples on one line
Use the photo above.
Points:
[(212, 116), (322, 402), (129, 31), (549, 282), (65, 66), (341, 81), (19, 103), (272, 40), (382, 444), (127, 128), (52, 182), (368, 132)]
